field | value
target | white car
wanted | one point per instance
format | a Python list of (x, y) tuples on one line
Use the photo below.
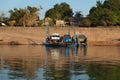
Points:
[(55, 37)]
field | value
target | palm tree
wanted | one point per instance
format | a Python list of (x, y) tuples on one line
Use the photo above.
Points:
[(99, 4), (78, 17)]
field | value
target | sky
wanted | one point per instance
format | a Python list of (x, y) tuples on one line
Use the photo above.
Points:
[(77, 5)]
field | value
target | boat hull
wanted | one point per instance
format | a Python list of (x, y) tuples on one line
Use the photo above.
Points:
[(62, 44)]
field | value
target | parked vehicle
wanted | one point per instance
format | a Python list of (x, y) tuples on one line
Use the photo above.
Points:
[(55, 40), (82, 39), (67, 38), (55, 37)]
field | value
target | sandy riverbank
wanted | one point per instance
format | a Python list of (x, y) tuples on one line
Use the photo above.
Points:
[(36, 35)]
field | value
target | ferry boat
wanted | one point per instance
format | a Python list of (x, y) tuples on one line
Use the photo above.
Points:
[(56, 40), (61, 41)]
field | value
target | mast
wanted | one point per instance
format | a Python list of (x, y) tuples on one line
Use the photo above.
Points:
[(47, 29), (74, 28), (69, 29)]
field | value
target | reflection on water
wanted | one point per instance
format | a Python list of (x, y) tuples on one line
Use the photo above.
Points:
[(65, 63)]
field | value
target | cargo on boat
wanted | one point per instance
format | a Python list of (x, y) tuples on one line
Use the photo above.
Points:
[(56, 40), (82, 40), (66, 40)]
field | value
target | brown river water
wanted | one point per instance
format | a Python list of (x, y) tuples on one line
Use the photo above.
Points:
[(29, 62)]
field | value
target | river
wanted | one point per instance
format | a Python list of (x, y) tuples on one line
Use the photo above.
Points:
[(31, 62)]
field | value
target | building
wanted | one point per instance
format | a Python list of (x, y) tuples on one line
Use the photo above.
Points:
[(60, 23)]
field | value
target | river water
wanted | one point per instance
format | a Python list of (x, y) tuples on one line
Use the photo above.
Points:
[(23, 62)]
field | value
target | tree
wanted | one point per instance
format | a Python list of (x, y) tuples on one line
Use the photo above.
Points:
[(33, 10), (102, 17), (99, 4), (52, 13), (59, 11), (30, 16), (78, 17), (106, 13), (114, 6), (66, 10), (85, 22), (26, 17), (17, 14)]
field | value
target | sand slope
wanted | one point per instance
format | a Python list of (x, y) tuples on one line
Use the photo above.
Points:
[(37, 35)]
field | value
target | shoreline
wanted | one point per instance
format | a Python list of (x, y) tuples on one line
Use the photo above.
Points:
[(36, 35)]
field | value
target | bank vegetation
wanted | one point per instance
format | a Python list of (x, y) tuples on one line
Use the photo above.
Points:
[(105, 13)]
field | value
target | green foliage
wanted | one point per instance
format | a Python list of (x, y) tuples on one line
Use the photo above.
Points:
[(102, 17), (53, 14), (118, 18), (105, 14), (78, 18), (60, 11), (40, 23), (86, 22), (17, 14), (26, 17), (33, 10)]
